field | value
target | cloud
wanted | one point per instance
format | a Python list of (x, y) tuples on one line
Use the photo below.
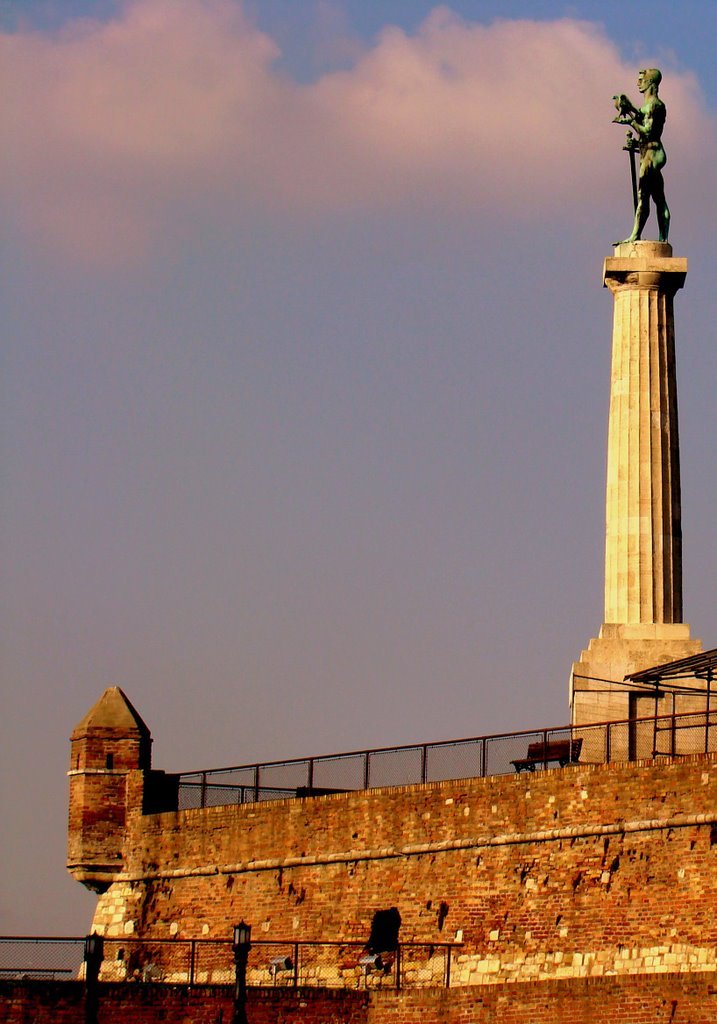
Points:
[(116, 130)]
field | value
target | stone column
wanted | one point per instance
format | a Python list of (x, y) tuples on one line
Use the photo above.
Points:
[(643, 535), (643, 548)]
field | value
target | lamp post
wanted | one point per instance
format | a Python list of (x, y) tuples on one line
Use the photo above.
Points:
[(241, 945), (94, 954)]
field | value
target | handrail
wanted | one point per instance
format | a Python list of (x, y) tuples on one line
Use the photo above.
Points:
[(476, 756), (401, 748), (333, 963)]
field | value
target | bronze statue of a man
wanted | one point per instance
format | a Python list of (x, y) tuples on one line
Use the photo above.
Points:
[(647, 123)]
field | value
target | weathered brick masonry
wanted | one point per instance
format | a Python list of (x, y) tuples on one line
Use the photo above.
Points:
[(63, 1003), (636, 999), (576, 872)]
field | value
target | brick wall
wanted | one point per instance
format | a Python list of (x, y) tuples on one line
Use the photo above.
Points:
[(580, 872), (651, 999), (63, 1003)]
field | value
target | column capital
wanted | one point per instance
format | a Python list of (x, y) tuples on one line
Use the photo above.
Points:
[(644, 265)]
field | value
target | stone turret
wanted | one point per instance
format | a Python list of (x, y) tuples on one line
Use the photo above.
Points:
[(109, 743)]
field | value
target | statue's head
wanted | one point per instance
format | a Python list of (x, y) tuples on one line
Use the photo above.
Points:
[(648, 77)]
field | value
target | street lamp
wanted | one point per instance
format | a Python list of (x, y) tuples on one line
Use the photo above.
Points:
[(241, 945), (94, 954)]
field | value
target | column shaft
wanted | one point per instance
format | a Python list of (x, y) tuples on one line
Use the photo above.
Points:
[(643, 548)]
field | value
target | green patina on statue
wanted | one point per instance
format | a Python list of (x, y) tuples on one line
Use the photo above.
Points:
[(647, 122)]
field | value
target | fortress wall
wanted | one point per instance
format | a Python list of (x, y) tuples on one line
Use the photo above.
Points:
[(652, 999), (63, 1003), (575, 872)]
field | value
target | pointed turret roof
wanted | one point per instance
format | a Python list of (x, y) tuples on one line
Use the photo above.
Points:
[(113, 710)]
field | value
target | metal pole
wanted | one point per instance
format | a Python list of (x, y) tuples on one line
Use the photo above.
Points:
[(241, 955), (654, 727), (94, 954), (607, 744), (673, 729), (707, 716)]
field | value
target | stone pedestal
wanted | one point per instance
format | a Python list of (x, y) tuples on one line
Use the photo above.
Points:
[(643, 538)]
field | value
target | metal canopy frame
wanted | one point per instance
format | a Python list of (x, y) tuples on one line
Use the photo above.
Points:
[(698, 666)]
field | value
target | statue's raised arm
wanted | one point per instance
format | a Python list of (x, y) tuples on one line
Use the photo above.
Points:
[(647, 122)]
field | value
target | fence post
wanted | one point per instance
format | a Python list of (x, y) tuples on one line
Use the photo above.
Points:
[(310, 774), (483, 756), (607, 743), (366, 769), (424, 763), (673, 730), (707, 712), (296, 965), (192, 961), (256, 784), (203, 791)]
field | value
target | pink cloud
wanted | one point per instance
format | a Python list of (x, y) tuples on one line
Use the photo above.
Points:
[(112, 126)]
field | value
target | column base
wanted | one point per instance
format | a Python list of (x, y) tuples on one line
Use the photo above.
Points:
[(619, 650)]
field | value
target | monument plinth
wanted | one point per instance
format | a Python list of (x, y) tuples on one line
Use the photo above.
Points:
[(643, 537)]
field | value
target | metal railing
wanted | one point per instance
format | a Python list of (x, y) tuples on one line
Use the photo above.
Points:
[(31, 957), (625, 740), (290, 964)]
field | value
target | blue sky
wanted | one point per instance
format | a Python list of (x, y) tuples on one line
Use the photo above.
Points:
[(306, 373)]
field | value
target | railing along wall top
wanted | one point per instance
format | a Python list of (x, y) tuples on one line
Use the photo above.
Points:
[(340, 963), (477, 756)]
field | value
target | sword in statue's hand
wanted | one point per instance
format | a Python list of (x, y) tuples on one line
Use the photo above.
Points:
[(632, 146)]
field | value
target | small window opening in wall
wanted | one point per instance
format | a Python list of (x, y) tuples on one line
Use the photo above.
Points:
[(109, 760)]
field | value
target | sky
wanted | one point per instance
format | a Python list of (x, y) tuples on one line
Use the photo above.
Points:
[(305, 373)]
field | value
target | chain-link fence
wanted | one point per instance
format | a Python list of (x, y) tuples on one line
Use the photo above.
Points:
[(28, 957), (628, 740), (211, 962)]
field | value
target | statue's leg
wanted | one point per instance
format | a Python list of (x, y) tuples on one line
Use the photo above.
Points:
[(661, 207), (642, 212)]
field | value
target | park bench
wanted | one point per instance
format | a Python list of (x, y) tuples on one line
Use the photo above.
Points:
[(303, 791), (562, 751)]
